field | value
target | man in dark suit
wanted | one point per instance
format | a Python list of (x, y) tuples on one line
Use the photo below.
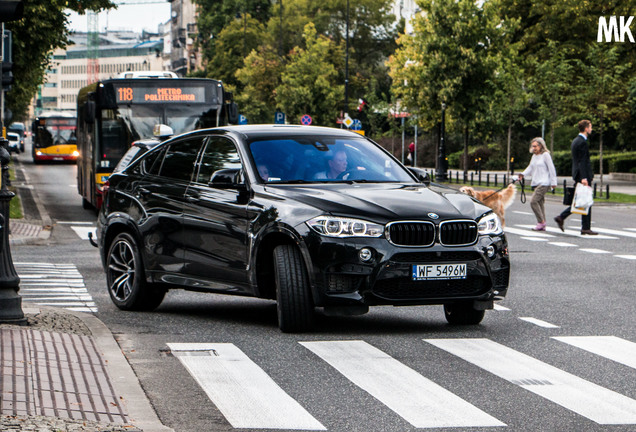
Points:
[(581, 173)]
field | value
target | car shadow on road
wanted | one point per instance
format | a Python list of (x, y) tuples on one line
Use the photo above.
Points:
[(222, 310)]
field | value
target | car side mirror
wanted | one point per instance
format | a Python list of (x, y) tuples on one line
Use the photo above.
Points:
[(231, 178), (421, 175)]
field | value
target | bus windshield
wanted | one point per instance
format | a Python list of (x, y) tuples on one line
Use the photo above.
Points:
[(55, 132), (126, 124)]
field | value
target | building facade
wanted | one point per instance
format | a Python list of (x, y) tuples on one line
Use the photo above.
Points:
[(118, 52)]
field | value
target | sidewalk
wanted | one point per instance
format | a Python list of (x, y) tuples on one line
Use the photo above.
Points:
[(63, 370)]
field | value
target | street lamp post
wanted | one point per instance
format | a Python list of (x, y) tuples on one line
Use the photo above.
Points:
[(10, 301), (441, 154), (346, 89)]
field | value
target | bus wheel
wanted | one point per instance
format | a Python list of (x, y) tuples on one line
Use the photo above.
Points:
[(126, 278), (85, 204)]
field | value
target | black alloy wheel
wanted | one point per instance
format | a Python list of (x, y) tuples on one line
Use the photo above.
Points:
[(293, 295), (125, 277), (463, 314)]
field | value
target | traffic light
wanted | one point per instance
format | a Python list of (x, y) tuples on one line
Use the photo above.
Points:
[(11, 10), (7, 75)]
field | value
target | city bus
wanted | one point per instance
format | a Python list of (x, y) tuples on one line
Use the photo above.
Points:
[(54, 137), (114, 113)]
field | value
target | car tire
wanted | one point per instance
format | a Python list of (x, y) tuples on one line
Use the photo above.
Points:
[(293, 295), (125, 277), (463, 314)]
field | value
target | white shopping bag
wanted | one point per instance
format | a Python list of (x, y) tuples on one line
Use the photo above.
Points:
[(583, 199)]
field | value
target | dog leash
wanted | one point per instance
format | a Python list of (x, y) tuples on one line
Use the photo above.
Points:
[(523, 192)]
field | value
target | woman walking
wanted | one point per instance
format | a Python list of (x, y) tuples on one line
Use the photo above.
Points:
[(543, 174)]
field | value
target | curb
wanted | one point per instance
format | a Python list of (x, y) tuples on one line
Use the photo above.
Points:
[(123, 378)]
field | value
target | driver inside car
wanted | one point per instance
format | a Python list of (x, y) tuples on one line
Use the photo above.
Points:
[(337, 165)]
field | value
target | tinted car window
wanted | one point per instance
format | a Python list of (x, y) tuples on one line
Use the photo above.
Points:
[(152, 162), (220, 153), (180, 158), (311, 159)]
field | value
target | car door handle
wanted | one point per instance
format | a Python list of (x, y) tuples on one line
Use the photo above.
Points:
[(192, 198), (145, 192)]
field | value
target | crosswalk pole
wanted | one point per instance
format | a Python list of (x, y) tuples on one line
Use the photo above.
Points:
[(10, 301)]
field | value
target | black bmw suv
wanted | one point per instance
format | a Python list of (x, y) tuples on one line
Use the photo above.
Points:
[(307, 216)]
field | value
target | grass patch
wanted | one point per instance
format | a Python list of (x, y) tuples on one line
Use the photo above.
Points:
[(15, 205)]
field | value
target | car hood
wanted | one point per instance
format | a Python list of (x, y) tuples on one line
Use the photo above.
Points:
[(384, 202)]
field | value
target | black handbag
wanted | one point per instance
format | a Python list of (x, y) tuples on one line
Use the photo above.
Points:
[(568, 195)]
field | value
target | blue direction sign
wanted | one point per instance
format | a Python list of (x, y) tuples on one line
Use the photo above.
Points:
[(357, 125), (306, 119), (279, 117), (242, 119)]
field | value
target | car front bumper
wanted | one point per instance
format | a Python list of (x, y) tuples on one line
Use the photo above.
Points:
[(341, 278)]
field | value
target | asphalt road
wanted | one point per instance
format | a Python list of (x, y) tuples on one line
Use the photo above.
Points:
[(394, 369)]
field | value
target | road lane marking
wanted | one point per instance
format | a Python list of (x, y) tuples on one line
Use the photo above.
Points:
[(535, 239), (629, 257), (538, 322), (594, 251), (241, 390), (498, 307), (523, 213), (527, 233), (611, 347), (630, 229), (82, 232), (615, 232), (563, 244), (571, 233), (51, 284), (413, 397), (585, 398)]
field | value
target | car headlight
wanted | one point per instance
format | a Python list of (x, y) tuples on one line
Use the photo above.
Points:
[(489, 224), (332, 226)]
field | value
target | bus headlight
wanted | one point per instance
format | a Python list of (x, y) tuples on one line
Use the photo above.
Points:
[(75, 153)]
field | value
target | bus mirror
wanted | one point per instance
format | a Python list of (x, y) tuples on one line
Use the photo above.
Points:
[(89, 112), (232, 113), (162, 131)]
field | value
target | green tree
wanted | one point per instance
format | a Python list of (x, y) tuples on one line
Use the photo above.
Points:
[(43, 28), (309, 83), (214, 15), (260, 77), (450, 58), (552, 86), (604, 92), (234, 43)]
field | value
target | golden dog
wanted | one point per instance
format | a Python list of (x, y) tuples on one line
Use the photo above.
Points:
[(498, 201)]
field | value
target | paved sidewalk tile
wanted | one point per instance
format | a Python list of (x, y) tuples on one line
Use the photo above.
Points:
[(57, 375)]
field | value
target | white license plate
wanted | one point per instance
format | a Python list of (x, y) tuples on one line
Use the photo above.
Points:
[(439, 271)]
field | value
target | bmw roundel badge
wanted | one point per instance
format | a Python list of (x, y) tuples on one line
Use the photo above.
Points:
[(433, 215)]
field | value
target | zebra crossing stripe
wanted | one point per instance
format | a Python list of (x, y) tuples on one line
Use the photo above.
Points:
[(51, 284), (527, 233), (415, 398), (615, 232), (611, 347), (592, 401), (241, 390)]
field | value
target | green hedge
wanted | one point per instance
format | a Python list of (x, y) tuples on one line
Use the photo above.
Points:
[(612, 162)]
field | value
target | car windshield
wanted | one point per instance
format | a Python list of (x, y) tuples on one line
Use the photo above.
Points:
[(307, 159)]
